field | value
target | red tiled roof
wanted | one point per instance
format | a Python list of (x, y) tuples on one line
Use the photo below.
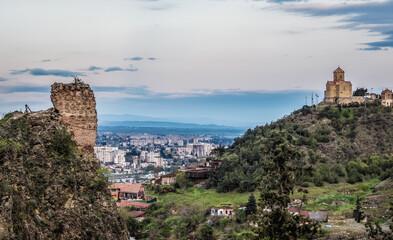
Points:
[(338, 70), (124, 203), (127, 187), (333, 83)]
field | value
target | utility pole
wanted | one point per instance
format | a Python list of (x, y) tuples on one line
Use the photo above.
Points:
[(317, 96), (312, 99)]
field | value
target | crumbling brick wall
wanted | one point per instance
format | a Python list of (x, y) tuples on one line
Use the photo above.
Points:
[(77, 108)]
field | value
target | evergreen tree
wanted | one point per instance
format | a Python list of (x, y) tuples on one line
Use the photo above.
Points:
[(251, 206), (277, 184), (357, 212)]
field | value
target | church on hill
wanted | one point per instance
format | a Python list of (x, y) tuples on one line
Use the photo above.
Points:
[(338, 89)]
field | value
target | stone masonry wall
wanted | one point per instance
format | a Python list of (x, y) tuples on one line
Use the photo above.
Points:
[(77, 108)]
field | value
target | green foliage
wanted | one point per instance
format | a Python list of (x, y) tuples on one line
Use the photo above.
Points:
[(360, 92), (240, 216), (6, 117), (99, 182), (322, 135), (276, 186), (357, 212), (206, 232), (62, 143), (133, 226), (182, 180), (251, 206), (9, 145)]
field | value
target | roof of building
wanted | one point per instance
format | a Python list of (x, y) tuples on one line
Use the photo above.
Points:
[(127, 187), (334, 83), (299, 211), (338, 70), (136, 214), (385, 91), (320, 216)]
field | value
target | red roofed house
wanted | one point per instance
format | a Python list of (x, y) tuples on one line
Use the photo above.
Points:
[(124, 191), (387, 98), (338, 90)]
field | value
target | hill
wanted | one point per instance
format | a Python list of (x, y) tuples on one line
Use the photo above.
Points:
[(338, 144), (49, 189)]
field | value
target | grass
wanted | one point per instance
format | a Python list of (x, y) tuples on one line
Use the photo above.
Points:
[(321, 198), (206, 198)]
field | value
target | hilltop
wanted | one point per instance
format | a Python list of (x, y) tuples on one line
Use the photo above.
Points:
[(342, 144)]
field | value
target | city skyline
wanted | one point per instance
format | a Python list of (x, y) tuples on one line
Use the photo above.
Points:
[(220, 62)]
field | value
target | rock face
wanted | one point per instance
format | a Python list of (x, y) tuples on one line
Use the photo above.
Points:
[(77, 108), (48, 189)]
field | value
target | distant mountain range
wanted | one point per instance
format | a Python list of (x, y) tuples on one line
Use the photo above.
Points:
[(161, 127), (141, 124), (105, 119)]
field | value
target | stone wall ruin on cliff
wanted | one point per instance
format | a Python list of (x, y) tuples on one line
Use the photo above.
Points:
[(77, 108)]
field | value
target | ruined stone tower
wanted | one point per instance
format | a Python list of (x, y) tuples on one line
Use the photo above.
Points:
[(76, 105)]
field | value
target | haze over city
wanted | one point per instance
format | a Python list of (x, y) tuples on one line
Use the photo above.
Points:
[(222, 62)]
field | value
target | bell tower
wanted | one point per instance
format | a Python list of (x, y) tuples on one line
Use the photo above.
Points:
[(339, 75)]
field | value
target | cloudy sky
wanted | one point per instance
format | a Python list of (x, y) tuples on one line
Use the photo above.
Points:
[(233, 62)]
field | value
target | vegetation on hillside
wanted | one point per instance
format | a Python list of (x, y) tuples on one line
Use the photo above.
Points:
[(48, 188), (338, 144)]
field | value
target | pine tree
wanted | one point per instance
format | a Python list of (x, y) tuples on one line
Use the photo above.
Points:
[(357, 212), (251, 206), (277, 184)]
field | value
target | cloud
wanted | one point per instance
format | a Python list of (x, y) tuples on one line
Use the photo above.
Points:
[(3, 79), (133, 59), (14, 89), (24, 97), (374, 16), (114, 69), (44, 72), (94, 68), (46, 60), (281, 1), (152, 58)]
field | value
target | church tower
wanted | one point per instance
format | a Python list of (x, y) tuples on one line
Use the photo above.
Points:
[(339, 75), (338, 90)]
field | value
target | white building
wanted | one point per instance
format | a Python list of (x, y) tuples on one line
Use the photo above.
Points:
[(110, 155)]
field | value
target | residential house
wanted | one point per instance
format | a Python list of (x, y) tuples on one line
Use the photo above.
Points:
[(387, 98), (124, 191), (224, 211)]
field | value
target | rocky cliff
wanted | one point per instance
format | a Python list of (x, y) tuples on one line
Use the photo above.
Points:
[(50, 189)]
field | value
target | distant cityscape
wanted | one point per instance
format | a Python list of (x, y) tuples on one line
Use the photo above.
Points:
[(128, 156)]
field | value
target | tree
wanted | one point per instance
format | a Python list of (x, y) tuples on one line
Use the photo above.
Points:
[(251, 206), (357, 212), (277, 184), (206, 232), (182, 180), (360, 92)]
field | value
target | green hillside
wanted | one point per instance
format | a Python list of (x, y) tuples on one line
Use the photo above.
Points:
[(338, 144)]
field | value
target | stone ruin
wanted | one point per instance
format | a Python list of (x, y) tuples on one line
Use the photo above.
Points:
[(76, 105)]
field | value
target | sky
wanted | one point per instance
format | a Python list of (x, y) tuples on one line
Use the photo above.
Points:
[(230, 62)]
